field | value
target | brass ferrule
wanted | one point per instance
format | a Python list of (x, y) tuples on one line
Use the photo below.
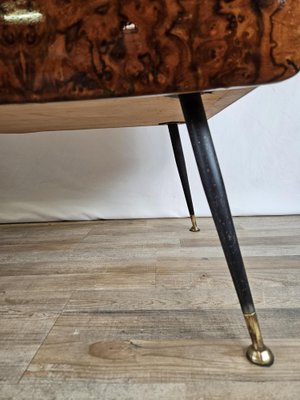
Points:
[(194, 227), (254, 331)]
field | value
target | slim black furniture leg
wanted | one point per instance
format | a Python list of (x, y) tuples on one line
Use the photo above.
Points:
[(214, 188), (180, 161)]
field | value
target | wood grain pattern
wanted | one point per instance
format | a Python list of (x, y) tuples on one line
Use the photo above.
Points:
[(78, 49), (25, 320), (155, 317), (108, 113), (201, 390), (159, 360)]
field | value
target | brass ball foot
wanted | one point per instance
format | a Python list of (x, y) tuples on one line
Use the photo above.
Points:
[(194, 227), (263, 357)]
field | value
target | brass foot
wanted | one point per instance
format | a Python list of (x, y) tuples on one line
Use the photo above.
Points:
[(194, 227), (263, 357), (258, 353)]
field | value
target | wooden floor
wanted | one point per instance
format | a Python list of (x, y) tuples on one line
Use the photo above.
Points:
[(145, 310)]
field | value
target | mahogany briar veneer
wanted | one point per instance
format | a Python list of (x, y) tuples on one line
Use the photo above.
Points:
[(80, 49), (58, 50)]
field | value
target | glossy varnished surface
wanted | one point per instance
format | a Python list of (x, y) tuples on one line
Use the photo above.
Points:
[(77, 49)]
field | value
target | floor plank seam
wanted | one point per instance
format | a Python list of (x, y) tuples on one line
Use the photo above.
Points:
[(149, 315), (45, 338), (154, 311)]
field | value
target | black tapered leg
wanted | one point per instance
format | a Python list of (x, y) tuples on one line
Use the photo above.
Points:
[(180, 161), (214, 188)]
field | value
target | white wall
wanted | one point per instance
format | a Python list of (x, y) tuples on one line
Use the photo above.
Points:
[(131, 173)]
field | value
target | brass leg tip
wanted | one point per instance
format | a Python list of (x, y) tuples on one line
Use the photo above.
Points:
[(194, 228), (263, 357)]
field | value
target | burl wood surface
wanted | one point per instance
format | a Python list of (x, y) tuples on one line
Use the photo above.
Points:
[(79, 49)]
